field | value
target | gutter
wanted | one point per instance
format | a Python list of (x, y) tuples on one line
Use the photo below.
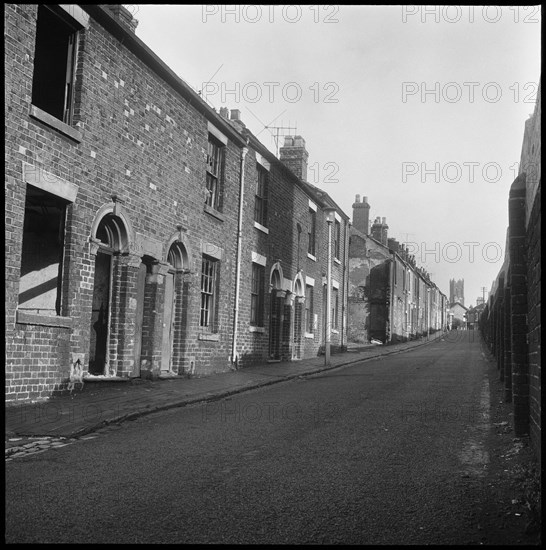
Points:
[(234, 356)]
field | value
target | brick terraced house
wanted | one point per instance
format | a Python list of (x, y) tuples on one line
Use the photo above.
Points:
[(390, 298), (147, 234)]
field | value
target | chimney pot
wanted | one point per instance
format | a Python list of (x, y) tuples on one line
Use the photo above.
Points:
[(235, 114), (124, 16), (357, 198), (295, 156)]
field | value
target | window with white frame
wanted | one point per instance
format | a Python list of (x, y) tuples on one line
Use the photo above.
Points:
[(209, 293)]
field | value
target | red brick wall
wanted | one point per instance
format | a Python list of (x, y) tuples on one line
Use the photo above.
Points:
[(140, 141), (534, 321)]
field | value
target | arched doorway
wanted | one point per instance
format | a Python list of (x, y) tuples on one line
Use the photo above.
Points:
[(173, 325), (276, 310), (110, 237)]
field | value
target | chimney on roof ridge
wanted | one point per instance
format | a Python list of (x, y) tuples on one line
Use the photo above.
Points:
[(124, 16), (361, 215), (295, 156)]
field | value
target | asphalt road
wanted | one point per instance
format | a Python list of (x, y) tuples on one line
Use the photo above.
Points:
[(389, 451)]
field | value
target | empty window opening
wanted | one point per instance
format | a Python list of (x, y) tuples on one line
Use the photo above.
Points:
[(54, 63), (40, 285)]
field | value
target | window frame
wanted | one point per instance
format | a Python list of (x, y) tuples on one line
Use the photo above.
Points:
[(216, 152), (261, 196), (257, 296), (309, 307), (311, 232), (337, 239), (335, 307), (45, 50), (209, 306)]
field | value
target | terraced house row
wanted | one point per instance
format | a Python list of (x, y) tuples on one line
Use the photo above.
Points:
[(391, 298), (147, 234)]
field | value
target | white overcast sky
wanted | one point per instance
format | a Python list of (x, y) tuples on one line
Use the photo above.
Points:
[(421, 111)]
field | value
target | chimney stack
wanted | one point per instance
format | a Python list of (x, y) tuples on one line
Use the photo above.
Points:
[(384, 232), (124, 16), (376, 229), (295, 156), (361, 215), (393, 244)]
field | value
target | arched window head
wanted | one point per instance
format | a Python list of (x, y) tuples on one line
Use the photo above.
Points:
[(177, 256), (276, 279), (111, 232)]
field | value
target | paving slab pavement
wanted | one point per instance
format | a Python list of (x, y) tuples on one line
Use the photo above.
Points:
[(63, 418)]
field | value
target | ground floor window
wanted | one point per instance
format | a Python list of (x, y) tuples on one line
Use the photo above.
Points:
[(42, 255), (257, 296), (209, 292), (309, 325)]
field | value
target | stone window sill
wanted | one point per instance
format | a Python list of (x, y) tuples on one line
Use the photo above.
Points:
[(336, 261), (214, 213), (27, 318), (55, 123), (309, 335), (261, 228), (259, 330), (311, 257), (209, 337)]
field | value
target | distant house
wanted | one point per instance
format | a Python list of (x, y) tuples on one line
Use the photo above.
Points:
[(457, 313), (473, 316)]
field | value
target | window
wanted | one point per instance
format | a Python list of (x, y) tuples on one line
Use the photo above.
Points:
[(312, 228), (209, 293), (260, 205), (40, 286), (257, 296), (309, 308), (215, 173), (55, 62), (335, 305), (337, 240)]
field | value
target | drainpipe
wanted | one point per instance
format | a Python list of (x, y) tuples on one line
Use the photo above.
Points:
[(234, 356)]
